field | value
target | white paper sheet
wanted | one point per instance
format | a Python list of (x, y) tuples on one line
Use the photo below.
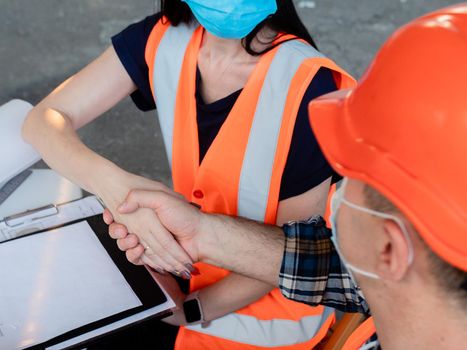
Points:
[(15, 154), (57, 281)]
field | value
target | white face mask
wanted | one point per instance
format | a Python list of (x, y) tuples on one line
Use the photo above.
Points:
[(337, 199)]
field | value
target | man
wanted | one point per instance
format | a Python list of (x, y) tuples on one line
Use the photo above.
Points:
[(399, 218)]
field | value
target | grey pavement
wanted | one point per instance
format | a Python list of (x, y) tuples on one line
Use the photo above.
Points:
[(44, 42)]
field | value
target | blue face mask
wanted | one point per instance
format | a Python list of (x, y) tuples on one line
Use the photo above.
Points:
[(231, 19)]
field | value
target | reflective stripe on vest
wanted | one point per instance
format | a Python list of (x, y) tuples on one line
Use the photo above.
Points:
[(166, 77), (255, 178), (272, 333)]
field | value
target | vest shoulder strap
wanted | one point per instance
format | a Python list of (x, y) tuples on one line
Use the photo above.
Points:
[(294, 65)]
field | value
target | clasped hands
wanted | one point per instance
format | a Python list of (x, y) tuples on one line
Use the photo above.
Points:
[(173, 243)]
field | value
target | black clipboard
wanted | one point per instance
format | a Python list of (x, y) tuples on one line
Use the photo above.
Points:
[(140, 280)]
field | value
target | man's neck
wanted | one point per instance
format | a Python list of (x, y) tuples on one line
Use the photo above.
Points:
[(424, 321)]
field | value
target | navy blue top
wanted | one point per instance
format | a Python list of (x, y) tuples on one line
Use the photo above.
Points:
[(306, 166)]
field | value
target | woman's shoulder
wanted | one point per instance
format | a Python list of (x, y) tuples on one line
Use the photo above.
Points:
[(130, 46), (131, 42)]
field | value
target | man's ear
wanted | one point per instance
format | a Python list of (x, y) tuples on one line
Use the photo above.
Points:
[(393, 260)]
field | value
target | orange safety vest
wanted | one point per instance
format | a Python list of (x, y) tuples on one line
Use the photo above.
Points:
[(360, 337), (241, 172)]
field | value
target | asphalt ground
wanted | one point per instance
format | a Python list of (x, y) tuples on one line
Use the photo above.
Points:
[(44, 42)]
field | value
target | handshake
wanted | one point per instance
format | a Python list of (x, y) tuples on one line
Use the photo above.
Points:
[(168, 241)]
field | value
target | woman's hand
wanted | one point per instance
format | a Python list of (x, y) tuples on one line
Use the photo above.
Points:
[(126, 242), (129, 243)]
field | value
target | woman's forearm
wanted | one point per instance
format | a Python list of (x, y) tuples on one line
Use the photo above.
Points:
[(230, 294), (50, 126), (52, 134)]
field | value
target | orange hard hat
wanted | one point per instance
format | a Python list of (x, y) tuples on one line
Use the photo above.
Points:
[(403, 129)]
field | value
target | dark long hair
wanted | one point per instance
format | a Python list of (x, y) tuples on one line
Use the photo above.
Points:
[(284, 21)]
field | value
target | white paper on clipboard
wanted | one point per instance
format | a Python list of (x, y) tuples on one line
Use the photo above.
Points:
[(55, 282), (44, 298)]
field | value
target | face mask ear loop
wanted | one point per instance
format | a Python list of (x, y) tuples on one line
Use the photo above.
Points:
[(389, 217), (335, 204)]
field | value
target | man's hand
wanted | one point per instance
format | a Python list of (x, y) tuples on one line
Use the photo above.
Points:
[(177, 216)]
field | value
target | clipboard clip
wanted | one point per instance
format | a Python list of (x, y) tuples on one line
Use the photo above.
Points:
[(30, 216)]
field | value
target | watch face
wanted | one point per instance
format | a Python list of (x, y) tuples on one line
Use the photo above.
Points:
[(192, 311)]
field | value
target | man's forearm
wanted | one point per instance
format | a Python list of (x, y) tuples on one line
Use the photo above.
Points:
[(246, 247), (300, 259)]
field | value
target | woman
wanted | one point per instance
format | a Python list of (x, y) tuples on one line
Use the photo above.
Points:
[(231, 80)]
